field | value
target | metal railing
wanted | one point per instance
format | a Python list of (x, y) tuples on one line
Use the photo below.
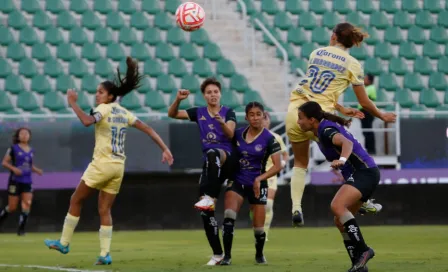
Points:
[(244, 14)]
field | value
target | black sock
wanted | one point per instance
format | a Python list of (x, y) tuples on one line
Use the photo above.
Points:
[(354, 232), (212, 231), (260, 238), (210, 185), (22, 221), (3, 214), (350, 247), (228, 228)]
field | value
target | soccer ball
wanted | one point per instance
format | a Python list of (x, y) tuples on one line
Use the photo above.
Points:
[(190, 16)]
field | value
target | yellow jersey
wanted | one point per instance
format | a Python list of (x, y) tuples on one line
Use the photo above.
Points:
[(330, 71), (278, 138), (111, 122)]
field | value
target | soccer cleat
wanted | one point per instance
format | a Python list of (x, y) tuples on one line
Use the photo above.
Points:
[(297, 219), (261, 260), (226, 261), (360, 265), (215, 260), (205, 204), (370, 207), (104, 260), (21, 231), (56, 245)]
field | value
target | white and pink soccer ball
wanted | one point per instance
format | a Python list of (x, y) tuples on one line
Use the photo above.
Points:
[(190, 16)]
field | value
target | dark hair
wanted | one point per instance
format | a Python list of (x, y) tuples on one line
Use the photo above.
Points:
[(370, 77), (267, 115), (349, 35), (15, 136), (122, 86), (254, 104), (210, 81), (312, 109)]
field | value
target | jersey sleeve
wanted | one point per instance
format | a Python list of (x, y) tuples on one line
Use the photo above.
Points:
[(273, 146), (356, 73), (193, 114), (328, 134), (9, 152), (230, 116), (101, 111), (131, 118), (280, 141)]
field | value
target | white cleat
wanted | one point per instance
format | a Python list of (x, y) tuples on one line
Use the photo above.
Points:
[(370, 207), (205, 204), (215, 260)]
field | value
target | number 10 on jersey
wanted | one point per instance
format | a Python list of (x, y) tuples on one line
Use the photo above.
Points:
[(118, 139), (320, 79)]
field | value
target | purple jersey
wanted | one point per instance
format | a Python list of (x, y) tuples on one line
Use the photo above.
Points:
[(212, 135), (22, 160), (359, 159), (254, 155)]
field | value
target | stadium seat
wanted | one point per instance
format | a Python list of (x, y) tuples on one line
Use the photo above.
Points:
[(308, 21), (443, 19), (5, 68), (428, 97), (77, 36), (131, 101), (373, 66), (274, 33), (413, 82), (416, 35), (282, 21), (139, 21), (153, 68), (389, 6), (175, 36), (439, 35), (103, 6), (90, 51), (269, 6), (127, 7), (54, 6), (442, 65), (418, 108), (202, 68), (188, 52), (16, 20), (320, 35), (53, 36), (388, 81), (251, 96), (212, 51), (297, 36), (54, 101), (230, 99), (294, 7), (7, 6), (90, 20), (402, 20), (432, 50), (407, 50), (155, 100), (199, 37), (177, 68), (164, 51), (439, 109), (424, 19), (199, 100), (40, 51), (40, 84), (166, 84), (79, 6), (151, 6), (104, 68), (89, 83), (27, 101), (5, 102), (355, 18), (404, 98), (78, 68), (398, 66), (152, 36), (298, 63), (127, 36), (433, 6), (15, 51), (171, 5), (381, 97), (28, 36), (190, 82), (438, 81), (145, 85), (330, 19), (53, 67), (6, 36), (65, 82), (163, 21), (14, 84), (140, 52), (66, 52), (239, 83), (289, 51), (84, 101), (341, 6), (359, 53), (27, 68), (262, 18), (317, 6), (250, 7), (410, 6), (225, 67), (65, 20), (393, 35), (365, 6), (114, 20), (373, 38), (422, 65), (103, 36), (379, 19), (41, 20), (306, 49)]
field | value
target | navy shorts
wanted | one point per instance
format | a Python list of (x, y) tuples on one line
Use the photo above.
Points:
[(247, 191), (365, 180), (17, 188)]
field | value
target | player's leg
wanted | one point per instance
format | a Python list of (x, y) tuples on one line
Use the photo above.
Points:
[(272, 183), (27, 199), (13, 202), (259, 208), (299, 171), (105, 202)]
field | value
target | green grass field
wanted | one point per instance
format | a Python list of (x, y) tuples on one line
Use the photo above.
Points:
[(419, 249)]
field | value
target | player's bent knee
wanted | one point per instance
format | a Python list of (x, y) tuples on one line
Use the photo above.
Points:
[(231, 214)]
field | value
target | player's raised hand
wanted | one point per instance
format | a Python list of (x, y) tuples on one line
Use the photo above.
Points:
[(167, 157), (389, 117), (219, 118), (72, 96), (336, 164), (351, 112), (182, 94)]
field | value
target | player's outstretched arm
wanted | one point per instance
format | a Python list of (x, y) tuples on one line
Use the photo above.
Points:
[(37, 170), (369, 106), (350, 112), (173, 110), (85, 119), (166, 155)]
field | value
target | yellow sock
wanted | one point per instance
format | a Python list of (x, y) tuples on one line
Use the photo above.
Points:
[(269, 215), (105, 239), (297, 188), (68, 229)]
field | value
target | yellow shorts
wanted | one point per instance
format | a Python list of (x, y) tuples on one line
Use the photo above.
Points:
[(272, 183), (295, 134), (105, 177)]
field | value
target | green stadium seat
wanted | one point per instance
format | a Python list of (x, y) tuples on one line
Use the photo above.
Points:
[(5, 68), (439, 109), (356, 19), (274, 33), (164, 51), (6, 36), (212, 51), (54, 6), (188, 52), (306, 49), (269, 6), (127, 7), (359, 53), (140, 52), (66, 52), (307, 20), (407, 50), (40, 84), (191, 83), (41, 52), (413, 82), (177, 68), (225, 67), (104, 68), (65, 20), (381, 97), (166, 84), (103, 36), (153, 68), (78, 68), (5, 102), (90, 51), (114, 20), (27, 101), (54, 101), (139, 21), (16, 20), (250, 7), (393, 35), (199, 100), (65, 82), (155, 100), (28, 36), (172, 5), (131, 101), (330, 19), (442, 65), (373, 66), (41, 20), (402, 20), (297, 36), (350, 97), (90, 20), (262, 18), (438, 81), (175, 36), (432, 50), (151, 6), (27, 68), (416, 35), (398, 66), (298, 63), (152, 36), (54, 36), (90, 83), (145, 85), (230, 99), (373, 38), (15, 51), (428, 97), (282, 21), (239, 83), (77, 36), (404, 98), (433, 6), (163, 21), (220, 78), (84, 101), (127, 36), (289, 51), (389, 6), (251, 96), (202, 68), (317, 6), (79, 6), (103, 6), (379, 19), (439, 35), (14, 84), (365, 6), (388, 81), (199, 37), (341, 6), (7, 6), (445, 101), (53, 68), (443, 19), (422, 65), (320, 35), (423, 19), (418, 108), (410, 6)]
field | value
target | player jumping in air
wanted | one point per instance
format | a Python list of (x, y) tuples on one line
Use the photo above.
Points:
[(359, 170), (19, 161), (217, 126), (255, 145), (330, 71), (105, 172)]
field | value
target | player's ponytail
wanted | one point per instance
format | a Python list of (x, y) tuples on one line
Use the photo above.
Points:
[(312, 109), (337, 119), (349, 35)]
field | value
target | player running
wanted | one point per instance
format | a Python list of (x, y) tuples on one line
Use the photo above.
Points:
[(216, 126), (19, 161), (105, 172), (359, 170), (254, 144), (331, 70)]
